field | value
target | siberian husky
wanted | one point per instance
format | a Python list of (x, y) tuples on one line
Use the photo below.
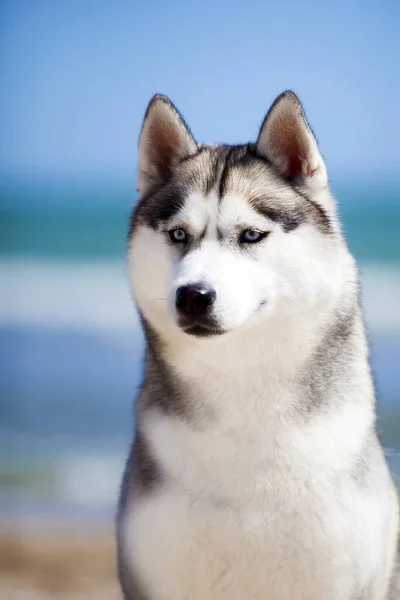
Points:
[(255, 472)]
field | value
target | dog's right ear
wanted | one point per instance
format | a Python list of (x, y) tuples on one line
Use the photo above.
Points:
[(165, 139), (287, 141)]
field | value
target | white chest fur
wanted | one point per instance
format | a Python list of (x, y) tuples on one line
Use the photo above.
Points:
[(183, 551), (250, 514)]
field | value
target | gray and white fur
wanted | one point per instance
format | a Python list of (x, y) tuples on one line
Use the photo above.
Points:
[(256, 471)]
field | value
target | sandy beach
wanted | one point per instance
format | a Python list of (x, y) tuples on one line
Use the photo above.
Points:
[(64, 563), (58, 563)]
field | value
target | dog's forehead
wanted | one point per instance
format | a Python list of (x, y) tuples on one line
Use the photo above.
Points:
[(256, 181), (202, 171), (229, 170), (226, 186)]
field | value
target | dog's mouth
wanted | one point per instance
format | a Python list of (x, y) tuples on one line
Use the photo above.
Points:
[(201, 330), (205, 326)]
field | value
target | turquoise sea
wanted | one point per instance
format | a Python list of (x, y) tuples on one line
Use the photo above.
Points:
[(71, 348), (88, 220)]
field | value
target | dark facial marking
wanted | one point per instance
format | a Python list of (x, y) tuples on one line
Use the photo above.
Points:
[(321, 218), (228, 158), (216, 161), (288, 219), (159, 205)]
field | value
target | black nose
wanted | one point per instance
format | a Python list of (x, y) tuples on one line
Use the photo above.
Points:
[(194, 300)]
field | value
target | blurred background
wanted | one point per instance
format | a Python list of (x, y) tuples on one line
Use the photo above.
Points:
[(75, 79)]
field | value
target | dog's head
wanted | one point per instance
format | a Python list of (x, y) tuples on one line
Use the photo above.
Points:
[(225, 237)]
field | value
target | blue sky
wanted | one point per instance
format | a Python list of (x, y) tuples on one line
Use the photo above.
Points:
[(76, 77)]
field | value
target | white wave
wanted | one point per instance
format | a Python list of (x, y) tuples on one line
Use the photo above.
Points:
[(381, 297), (89, 480), (95, 295)]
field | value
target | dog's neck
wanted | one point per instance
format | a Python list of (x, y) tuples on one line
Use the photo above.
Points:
[(278, 359)]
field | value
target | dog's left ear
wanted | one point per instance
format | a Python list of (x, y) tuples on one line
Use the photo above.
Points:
[(165, 139), (286, 140)]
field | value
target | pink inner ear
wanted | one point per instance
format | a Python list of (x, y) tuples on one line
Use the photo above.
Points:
[(290, 145), (295, 147), (294, 165), (166, 144)]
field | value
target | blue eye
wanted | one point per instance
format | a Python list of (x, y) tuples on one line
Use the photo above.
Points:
[(250, 236), (178, 236)]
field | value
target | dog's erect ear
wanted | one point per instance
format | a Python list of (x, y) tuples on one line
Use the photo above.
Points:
[(164, 140), (287, 141)]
